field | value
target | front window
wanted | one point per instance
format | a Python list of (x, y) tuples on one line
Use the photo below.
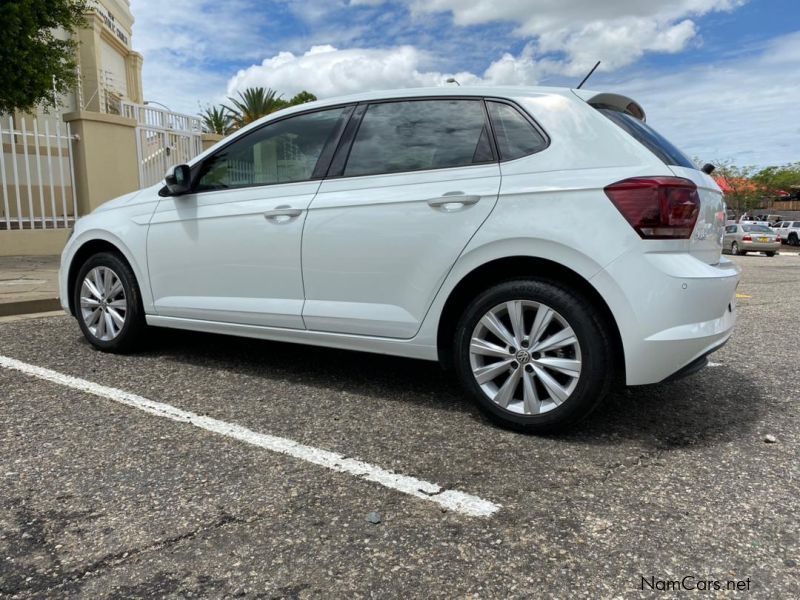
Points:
[(282, 152)]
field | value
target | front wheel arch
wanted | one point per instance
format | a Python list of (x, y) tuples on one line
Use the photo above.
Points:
[(84, 253)]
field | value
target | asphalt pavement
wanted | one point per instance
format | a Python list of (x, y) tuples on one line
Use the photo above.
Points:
[(106, 499)]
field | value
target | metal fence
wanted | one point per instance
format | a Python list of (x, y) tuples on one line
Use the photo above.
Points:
[(163, 139), (37, 184)]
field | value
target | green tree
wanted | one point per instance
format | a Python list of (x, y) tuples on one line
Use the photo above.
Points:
[(784, 178), (254, 103), (742, 193), (217, 119), (36, 68), (302, 98)]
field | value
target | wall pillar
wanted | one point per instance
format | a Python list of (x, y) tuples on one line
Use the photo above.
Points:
[(133, 64), (209, 139), (105, 157)]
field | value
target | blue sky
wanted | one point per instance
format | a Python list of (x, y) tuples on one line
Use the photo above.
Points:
[(719, 77)]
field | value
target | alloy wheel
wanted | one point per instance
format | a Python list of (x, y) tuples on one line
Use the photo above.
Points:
[(104, 306), (525, 356)]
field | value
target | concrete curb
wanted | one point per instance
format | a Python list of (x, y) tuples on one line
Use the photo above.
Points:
[(24, 307)]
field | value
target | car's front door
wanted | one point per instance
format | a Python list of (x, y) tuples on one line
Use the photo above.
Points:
[(387, 226), (230, 250)]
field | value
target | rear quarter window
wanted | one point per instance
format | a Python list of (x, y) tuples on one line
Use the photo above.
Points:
[(516, 136), (648, 137)]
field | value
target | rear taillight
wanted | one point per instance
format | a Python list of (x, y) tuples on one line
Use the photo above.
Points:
[(658, 208), (747, 238), (778, 238)]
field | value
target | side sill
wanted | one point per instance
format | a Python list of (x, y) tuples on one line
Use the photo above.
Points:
[(376, 345)]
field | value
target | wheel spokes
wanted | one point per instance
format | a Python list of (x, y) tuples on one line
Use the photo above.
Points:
[(567, 366), (506, 391), (525, 357), (530, 397), (491, 371), (484, 348), (557, 393), (495, 325), (540, 322), (103, 303), (517, 321), (92, 288), (565, 337)]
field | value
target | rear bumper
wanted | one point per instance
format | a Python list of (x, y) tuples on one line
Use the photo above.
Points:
[(671, 309), (698, 364), (759, 247)]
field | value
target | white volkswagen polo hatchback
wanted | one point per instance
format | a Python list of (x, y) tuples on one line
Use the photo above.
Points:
[(543, 243)]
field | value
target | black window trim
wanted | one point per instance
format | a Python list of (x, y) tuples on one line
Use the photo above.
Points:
[(324, 160), (342, 155), (525, 115)]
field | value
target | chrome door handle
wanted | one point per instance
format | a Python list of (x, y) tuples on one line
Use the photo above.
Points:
[(453, 201), (281, 214)]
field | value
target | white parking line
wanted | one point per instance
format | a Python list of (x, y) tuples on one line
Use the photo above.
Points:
[(454, 500)]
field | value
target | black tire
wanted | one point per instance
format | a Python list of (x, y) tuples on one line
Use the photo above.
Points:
[(596, 371), (134, 326), (793, 239), (770, 254), (735, 250)]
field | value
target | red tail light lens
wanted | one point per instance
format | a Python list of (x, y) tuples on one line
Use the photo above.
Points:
[(658, 208), (747, 238), (778, 238)]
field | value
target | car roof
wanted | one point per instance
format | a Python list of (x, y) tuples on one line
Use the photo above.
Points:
[(507, 91)]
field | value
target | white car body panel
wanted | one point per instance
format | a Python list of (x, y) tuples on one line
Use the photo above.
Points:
[(216, 256), (375, 252), (369, 265)]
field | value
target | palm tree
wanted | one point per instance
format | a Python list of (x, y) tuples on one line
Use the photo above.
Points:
[(217, 119), (254, 103)]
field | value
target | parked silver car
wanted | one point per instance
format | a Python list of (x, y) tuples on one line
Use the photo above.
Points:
[(743, 238)]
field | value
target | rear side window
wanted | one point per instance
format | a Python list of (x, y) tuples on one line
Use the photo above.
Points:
[(648, 137), (796, 224), (516, 136), (730, 229), (419, 134)]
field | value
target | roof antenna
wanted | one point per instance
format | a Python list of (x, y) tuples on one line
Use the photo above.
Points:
[(580, 85)]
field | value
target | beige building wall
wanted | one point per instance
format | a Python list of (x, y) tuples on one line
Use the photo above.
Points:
[(104, 153)]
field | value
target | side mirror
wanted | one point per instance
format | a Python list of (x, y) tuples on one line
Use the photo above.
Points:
[(178, 179)]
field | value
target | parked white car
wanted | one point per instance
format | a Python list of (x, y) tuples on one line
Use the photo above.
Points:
[(544, 243), (789, 232)]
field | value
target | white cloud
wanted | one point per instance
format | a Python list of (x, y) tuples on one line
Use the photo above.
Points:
[(181, 39), (743, 108), (328, 71), (616, 32)]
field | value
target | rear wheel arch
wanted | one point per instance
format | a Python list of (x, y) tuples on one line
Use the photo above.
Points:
[(519, 268)]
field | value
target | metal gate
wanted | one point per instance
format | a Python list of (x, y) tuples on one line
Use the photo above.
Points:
[(37, 185), (163, 139)]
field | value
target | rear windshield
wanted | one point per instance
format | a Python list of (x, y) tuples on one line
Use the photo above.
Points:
[(648, 137), (756, 229)]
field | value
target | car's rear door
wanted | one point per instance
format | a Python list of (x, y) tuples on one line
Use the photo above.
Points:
[(411, 184)]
